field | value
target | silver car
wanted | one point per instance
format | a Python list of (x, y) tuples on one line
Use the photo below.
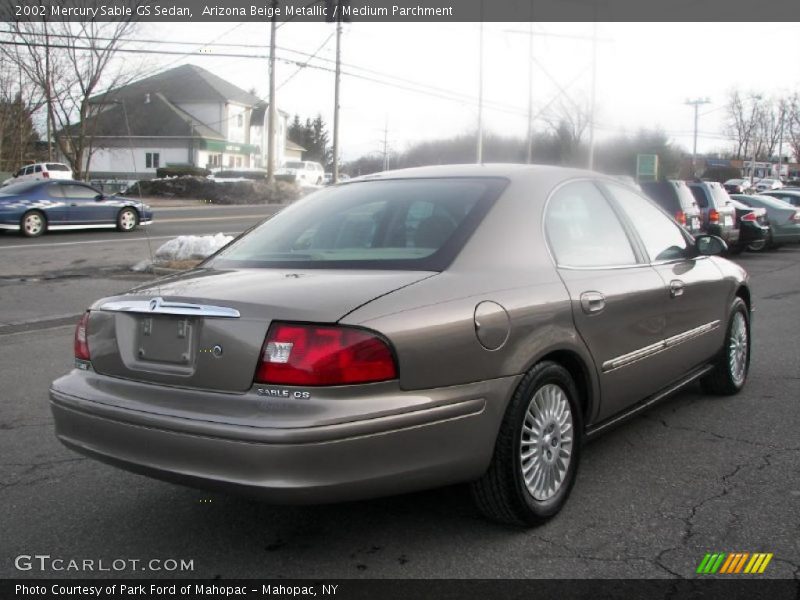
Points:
[(410, 330)]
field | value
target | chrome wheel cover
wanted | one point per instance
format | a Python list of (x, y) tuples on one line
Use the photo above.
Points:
[(737, 349), (546, 442), (33, 224), (127, 220)]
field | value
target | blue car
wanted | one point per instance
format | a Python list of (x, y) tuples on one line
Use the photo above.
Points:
[(33, 207)]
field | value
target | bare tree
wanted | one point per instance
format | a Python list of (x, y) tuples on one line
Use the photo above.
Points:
[(568, 122), (18, 103), (792, 124), (742, 123), (71, 63)]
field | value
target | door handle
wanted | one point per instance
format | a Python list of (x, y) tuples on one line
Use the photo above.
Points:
[(676, 287), (592, 302), (74, 204)]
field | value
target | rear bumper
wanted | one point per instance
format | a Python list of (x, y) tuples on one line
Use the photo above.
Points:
[(395, 453)]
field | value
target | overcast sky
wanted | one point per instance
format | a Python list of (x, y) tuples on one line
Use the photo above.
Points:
[(645, 73)]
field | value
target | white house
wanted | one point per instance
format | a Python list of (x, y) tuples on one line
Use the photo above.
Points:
[(182, 116)]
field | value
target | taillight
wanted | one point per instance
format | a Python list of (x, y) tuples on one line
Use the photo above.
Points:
[(297, 354), (81, 338), (750, 217), (680, 217), (713, 216), (796, 217), (45, 175)]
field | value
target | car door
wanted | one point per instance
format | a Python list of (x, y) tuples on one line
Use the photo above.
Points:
[(696, 298), (618, 299), (55, 206), (84, 206)]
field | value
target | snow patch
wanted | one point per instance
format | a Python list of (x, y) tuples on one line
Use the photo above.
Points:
[(191, 247)]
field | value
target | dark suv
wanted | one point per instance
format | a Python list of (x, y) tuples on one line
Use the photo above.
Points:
[(675, 197), (719, 215)]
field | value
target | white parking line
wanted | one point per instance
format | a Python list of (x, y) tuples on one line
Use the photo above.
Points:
[(106, 241)]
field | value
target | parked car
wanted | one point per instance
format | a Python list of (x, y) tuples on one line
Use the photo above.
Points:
[(675, 197), (738, 186), (787, 195), (768, 184), (409, 330), (301, 172), (753, 228), (719, 216), (39, 171), (784, 219), (33, 207)]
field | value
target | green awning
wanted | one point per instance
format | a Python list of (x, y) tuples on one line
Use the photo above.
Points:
[(228, 147)]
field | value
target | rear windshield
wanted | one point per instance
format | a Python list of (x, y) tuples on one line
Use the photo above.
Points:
[(57, 167), (20, 188), (418, 224)]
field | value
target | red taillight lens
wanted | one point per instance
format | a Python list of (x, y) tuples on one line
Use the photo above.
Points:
[(82, 338), (680, 217), (713, 216), (295, 354), (45, 175), (750, 217), (796, 217)]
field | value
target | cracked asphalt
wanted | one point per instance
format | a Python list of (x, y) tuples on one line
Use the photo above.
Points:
[(696, 474)]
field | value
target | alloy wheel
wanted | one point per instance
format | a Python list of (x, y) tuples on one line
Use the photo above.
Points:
[(737, 349)]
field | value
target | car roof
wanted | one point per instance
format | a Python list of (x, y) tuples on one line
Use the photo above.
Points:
[(506, 170)]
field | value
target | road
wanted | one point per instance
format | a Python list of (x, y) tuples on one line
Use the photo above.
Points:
[(696, 474), (73, 251)]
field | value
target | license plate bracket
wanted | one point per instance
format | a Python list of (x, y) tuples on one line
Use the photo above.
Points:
[(165, 339)]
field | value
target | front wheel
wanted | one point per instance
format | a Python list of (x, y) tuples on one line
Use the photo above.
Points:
[(730, 372), (537, 450), (127, 219)]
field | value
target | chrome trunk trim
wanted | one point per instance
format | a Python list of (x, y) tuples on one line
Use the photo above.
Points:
[(159, 306)]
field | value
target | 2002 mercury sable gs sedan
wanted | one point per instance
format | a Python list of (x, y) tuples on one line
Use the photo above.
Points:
[(409, 330)]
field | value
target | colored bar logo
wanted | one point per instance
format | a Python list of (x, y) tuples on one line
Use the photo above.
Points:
[(732, 563)]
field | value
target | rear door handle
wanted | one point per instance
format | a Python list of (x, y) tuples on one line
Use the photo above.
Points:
[(592, 302), (676, 287)]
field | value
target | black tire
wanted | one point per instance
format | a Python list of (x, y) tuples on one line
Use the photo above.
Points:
[(502, 494), (28, 223), (758, 246), (127, 219), (725, 380)]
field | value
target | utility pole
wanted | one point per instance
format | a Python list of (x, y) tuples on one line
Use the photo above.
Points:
[(780, 140), (272, 115), (756, 98), (386, 145), (594, 90), (336, 96), (529, 153), (479, 156), (696, 103), (47, 89)]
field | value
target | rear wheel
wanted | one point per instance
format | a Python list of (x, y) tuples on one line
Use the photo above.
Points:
[(537, 450), (757, 246), (33, 224), (127, 219), (730, 372)]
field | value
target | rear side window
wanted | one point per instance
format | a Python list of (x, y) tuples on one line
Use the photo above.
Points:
[(385, 224), (37, 169), (663, 193), (699, 195), (583, 230), (662, 238), (57, 167)]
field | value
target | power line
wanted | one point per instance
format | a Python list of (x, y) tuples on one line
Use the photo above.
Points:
[(303, 66)]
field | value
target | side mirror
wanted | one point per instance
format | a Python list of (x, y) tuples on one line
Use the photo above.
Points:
[(100, 197), (710, 245)]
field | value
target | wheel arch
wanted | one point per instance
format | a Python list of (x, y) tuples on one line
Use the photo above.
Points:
[(576, 365)]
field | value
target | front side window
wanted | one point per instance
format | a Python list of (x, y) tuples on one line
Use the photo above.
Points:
[(583, 230), (390, 224), (661, 236)]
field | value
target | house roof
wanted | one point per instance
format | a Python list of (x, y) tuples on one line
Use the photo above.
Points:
[(157, 118), (290, 145), (182, 85), (258, 114)]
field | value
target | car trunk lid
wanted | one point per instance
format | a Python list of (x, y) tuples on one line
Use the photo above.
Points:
[(205, 329)]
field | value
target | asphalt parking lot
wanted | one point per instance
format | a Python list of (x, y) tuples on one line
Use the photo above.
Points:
[(696, 474)]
